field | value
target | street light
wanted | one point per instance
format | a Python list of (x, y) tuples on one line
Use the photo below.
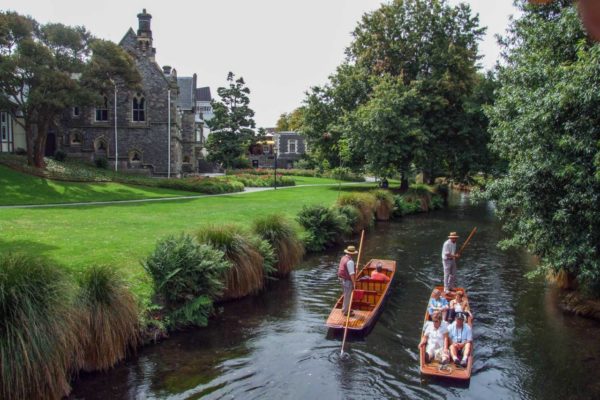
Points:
[(116, 135), (275, 169)]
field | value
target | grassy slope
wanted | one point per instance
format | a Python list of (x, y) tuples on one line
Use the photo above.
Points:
[(18, 188), (122, 235)]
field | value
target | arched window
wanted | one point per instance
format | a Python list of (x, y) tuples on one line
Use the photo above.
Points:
[(135, 156), (102, 110), (76, 138), (100, 145), (139, 108)]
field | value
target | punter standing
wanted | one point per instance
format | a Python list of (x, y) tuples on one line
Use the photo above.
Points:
[(449, 257), (347, 275)]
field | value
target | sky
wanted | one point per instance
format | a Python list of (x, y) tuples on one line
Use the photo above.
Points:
[(280, 47)]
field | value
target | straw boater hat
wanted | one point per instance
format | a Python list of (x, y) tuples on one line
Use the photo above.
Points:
[(350, 250), (453, 235)]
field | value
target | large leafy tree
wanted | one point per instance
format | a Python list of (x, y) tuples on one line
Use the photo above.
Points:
[(232, 127), (45, 69), (546, 123), (291, 122), (430, 47)]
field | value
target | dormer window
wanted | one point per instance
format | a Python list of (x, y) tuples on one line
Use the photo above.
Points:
[(139, 108), (102, 110)]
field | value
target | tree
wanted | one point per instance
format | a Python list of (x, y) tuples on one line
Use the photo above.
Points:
[(46, 69), (545, 124), (290, 122), (232, 125), (388, 128)]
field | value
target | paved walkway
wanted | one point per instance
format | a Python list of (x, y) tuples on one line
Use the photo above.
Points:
[(200, 196)]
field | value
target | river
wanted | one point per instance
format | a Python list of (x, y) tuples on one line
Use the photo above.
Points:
[(275, 345)]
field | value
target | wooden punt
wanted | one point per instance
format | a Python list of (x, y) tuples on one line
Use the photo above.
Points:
[(366, 309), (450, 370)]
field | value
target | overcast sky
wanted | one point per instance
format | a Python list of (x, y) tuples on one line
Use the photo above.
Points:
[(280, 47)]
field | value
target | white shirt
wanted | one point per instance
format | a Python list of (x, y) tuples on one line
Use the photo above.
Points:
[(449, 247), (435, 337), (350, 267)]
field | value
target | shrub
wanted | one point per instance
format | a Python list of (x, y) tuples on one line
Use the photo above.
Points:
[(324, 227), (38, 329), (365, 203), (201, 185), (266, 250), (384, 205), (253, 180), (421, 193), (437, 202), (246, 275), (344, 174), (20, 151), (277, 231), (403, 207), (60, 155), (110, 317), (351, 217), (101, 163), (187, 276)]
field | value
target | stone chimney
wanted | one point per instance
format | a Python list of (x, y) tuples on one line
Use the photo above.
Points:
[(167, 69), (144, 33)]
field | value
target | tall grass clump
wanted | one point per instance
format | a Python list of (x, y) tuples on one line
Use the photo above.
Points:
[(384, 205), (280, 233), (365, 203), (187, 278), (324, 227), (247, 274), (38, 329), (110, 316)]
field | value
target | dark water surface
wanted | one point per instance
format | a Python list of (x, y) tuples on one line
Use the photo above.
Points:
[(275, 346)]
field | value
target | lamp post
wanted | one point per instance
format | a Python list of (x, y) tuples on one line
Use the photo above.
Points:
[(275, 170), (169, 134), (116, 134)]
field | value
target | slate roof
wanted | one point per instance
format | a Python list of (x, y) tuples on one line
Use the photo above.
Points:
[(203, 94), (186, 92)]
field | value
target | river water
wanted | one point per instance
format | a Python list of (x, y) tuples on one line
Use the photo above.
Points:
[(275, 346)]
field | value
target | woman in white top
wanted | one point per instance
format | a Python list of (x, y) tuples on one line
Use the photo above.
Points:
[(436, 339), (459, 305)]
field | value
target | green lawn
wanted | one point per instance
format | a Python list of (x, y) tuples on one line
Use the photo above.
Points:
[(309, 180), (122, 235), (19, 188)]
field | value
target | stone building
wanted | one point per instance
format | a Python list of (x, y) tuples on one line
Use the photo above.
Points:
[(289, 147), (138, 138)]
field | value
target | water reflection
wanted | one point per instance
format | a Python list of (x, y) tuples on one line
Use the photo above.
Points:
[(276, 345)]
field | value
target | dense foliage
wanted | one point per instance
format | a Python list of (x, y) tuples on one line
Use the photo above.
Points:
[(187, 276), (410, 81), (545, 122), (232, 125)]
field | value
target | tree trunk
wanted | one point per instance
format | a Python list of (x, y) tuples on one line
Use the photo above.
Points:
[(29, 136), (403, 182)]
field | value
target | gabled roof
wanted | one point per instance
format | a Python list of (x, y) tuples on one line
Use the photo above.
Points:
[(129, 40), (203, 94), (186, 92)]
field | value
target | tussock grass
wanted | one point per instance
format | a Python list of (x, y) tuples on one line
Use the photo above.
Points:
[(110, 315), (39, 330), (384, 205), (279, 232), (246, 275), (365, 203)]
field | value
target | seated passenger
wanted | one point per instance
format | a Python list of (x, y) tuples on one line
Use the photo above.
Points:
[(436, 339), (459, 304), (438, 303), (461, 337), (378, 275)]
